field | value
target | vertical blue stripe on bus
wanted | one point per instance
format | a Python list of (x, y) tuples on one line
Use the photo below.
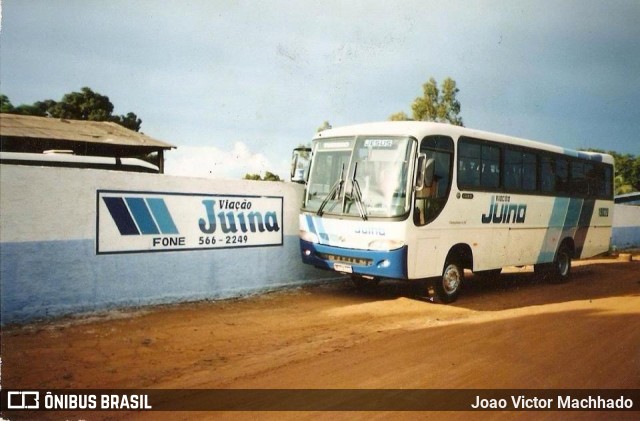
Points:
[(573, 214), (311, 225), (142, 215), (583, 225), (322, 234), (121, 216), (162, 216), (554, 229), (317, 227)]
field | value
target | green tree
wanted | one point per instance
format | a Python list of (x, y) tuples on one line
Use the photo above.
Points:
[(5, 104), (268, 176), (130, 121), (435, 104), (325, 126), (83, 105), (399, 116), (255, 177), (40, 108), (621, 186), (449, 106)]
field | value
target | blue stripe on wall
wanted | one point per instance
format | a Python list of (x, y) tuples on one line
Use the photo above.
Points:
[(44, 279), (142, 215), (625, 236), (161, 214), (121, 216)]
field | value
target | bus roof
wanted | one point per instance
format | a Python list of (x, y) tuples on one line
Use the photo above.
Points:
[(420, 129)]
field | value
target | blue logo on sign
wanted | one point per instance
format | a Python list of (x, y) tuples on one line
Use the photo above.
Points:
[(140, 216)]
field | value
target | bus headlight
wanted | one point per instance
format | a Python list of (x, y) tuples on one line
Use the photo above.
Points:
[(308, 236), (385, 245)]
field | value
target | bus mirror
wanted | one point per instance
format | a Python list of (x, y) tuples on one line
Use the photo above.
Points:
[(420, 171), (428, 173), (294, 165), (300, 162)]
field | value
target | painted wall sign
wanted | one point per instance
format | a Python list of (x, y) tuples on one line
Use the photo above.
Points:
[(129, 222)]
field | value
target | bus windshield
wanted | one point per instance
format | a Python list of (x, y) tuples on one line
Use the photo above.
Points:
[(364, 176)]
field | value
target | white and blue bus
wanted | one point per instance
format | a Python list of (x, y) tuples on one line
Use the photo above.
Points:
[(420, 200)]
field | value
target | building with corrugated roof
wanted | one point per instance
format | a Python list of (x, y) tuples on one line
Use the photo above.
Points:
[(30, 134)]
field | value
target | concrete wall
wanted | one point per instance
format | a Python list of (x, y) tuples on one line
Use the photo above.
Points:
[(626, 226), (52, 262)]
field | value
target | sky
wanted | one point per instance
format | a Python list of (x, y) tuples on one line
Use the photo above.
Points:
[(236, 85)]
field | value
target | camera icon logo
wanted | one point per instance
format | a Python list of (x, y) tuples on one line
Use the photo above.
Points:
[(23, 400)]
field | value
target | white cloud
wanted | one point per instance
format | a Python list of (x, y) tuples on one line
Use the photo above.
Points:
[(213, 162)]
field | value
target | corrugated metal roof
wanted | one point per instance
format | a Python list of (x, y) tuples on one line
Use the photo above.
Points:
[(103, 132)]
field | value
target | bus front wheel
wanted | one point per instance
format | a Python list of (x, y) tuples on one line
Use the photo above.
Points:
[(448, 286)]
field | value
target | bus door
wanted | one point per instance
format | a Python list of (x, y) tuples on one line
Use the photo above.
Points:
[(430, 202)]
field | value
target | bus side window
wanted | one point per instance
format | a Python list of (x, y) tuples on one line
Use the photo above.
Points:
[(490, 177), (529, 171), (520, 170), (578, 179), (431, 199), (599, 180), (468, 164), (608, 182), (562, 176), (591, 179), (512, 170), (548, 174), (478, 165)]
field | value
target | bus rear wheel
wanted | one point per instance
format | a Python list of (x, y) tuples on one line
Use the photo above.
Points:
[(561, 269), (448, 286)]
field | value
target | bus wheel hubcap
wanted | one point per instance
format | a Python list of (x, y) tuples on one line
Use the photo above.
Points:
[(451, 279), (563, 263)]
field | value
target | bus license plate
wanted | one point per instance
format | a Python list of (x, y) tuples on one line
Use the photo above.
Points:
[(340, 267)]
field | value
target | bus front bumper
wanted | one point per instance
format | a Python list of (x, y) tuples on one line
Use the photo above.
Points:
[(384, 264)]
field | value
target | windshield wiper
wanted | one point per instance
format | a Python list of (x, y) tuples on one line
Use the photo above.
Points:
[(333, 193), (356, 194)]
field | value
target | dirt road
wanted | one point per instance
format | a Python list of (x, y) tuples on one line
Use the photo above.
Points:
[(511, 332)]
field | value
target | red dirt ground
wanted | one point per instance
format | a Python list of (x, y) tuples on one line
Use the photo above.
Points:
[(510, 332)]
